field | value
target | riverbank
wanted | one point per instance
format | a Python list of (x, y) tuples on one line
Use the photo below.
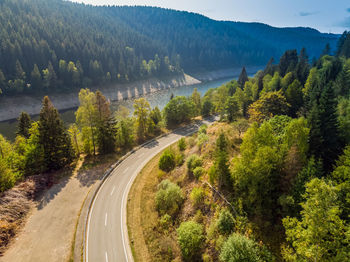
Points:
[(206, 76), (11, 107)]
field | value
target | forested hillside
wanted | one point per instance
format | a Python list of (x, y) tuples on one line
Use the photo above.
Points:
[(268, 182), (55, 45), (202, 42), (280, 157)]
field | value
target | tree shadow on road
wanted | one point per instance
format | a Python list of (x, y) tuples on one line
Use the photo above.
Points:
[(89, 177), (51, 193), (151, 144)]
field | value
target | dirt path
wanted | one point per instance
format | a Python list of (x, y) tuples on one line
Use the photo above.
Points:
[(49, 230)]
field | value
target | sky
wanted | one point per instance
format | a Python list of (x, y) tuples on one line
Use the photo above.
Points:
[(329, 16)]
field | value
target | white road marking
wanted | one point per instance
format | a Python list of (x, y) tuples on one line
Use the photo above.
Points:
[(106, 220), (125, 170), (125, 193), (88, 225), (112, 190)]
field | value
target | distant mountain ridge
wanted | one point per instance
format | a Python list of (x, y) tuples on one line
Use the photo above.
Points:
[(54, 45)]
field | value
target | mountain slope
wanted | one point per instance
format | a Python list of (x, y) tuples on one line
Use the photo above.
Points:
[(203, 42), (54, 46)]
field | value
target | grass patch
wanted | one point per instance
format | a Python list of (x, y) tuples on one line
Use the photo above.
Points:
[(138, 208)]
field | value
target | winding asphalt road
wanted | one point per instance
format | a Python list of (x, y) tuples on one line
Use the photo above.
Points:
[(106, 232)]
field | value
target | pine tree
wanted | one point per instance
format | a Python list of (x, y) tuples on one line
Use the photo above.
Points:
[(269, 69), (342, 82), (231, 108), (303, 68), (24, 124), (326, 50), (106, 136), (196, 99), (341, 42), (221, 162), (53, 137), (102, 107), (344, 45), (36, 79), (315, 136), (329, 127), (20, 74), (294, 97), (2, 82), (324, 134), (288, 62), (243, 77), (106, 139), (50, 77)]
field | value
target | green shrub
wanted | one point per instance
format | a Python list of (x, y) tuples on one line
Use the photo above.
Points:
[(168, 198), (201, 140), (198, 172), (192, 141), (182, 144), (203, 129), (219, 242), (165, 221), (198, 217), (179, 159), (192, 162), (197, 196), (161, 174), (190, 239), (240, 248), (167, 161), (207, 107), (7, 178), (212, 174), (225, 222)]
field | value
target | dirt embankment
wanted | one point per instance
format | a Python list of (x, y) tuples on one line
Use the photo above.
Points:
[(11, 107), (38, 217)]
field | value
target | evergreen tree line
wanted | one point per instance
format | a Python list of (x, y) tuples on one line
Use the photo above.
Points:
[(50, 46), (55, 46)]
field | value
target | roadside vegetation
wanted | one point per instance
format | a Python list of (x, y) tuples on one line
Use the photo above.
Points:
[(46, 147), (280, 151), (268, 183)]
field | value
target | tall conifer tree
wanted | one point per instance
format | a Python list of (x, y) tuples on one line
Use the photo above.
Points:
[(243, 77), (53, 137), (24, 123)]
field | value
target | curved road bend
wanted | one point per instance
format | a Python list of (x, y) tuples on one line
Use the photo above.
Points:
[(106, 232)]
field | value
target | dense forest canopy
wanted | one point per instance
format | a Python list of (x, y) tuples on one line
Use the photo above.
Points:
[(279, 159), (55, 45)]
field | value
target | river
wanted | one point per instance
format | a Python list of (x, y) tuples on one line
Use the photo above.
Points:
[(160, 99)]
